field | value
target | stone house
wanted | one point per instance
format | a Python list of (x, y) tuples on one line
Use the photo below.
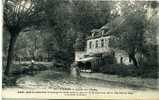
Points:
[(98, 51)]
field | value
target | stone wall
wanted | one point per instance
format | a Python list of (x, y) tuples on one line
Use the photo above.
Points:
[(122, 57)]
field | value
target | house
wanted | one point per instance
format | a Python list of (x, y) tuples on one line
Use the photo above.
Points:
[(98, 51)]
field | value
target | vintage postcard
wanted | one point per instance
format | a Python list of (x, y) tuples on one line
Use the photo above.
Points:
[(80, 49)]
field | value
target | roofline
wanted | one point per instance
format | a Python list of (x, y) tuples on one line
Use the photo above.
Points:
[(99, 36)]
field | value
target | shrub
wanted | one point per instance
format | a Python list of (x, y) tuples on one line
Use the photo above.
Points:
[(129, 70)]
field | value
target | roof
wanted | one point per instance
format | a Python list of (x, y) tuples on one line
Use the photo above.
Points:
[(87, 59), (107, 26), (95, 30)]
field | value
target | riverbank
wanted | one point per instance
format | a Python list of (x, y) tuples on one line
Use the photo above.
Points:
[(131, 81)]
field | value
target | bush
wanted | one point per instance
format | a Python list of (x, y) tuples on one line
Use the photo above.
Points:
[(129, 70), (149, 71), (118, 69)]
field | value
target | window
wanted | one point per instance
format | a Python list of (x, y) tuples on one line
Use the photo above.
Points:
[(103, 32), (106, 43), (90, 44), (102, 43), (96, 44)]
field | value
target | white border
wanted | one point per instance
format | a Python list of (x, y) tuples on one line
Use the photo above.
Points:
[(1, 31), (1, 23)]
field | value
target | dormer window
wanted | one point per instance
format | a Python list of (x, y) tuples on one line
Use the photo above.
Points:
[(93, 34), (106, 30)]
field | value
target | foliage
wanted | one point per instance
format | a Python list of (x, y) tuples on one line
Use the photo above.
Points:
[(70, 23), (30, 44), (130, 31), (56, 28), (124, 71), (90, 14), (19, 14)]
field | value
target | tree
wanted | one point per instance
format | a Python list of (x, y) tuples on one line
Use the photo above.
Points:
[(72, 21), (61, 37), (80, 42), (19, 14), (151, 34), (90, 15), (131, 30), (30, 44)]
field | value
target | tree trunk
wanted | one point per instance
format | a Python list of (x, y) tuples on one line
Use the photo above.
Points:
[(132, 56), (10, 53)]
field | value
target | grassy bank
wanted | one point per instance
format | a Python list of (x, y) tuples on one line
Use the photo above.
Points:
[(125, 70), (134, 82)]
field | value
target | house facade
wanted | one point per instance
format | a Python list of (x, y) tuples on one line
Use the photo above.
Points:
[(99, 52)]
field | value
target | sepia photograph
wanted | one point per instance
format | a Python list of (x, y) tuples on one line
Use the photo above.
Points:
[(80, 49)]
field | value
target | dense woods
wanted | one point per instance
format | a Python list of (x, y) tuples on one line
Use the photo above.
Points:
[(51, 30)]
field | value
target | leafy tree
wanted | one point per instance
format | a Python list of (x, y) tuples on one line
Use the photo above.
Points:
[(70, 22), (88, 15), (130, 31), (59, 44), (19, 14), (30, 44), (80, 42), (151, 33)]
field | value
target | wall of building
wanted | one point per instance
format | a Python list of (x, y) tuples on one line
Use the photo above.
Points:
[(98, 45), (79, 55)]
